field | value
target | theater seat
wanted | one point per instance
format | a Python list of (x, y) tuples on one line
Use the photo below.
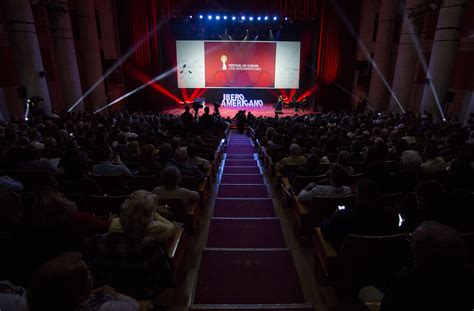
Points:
[(111, 185), (188, 215), (362, 260), (136, 267), (104, 205)]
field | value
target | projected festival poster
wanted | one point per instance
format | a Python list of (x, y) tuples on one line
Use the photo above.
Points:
[(238, 64)]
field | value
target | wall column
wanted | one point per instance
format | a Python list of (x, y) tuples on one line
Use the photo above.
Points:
[(90, 54), (24, 41), (378, 93), (65, 51), (407, 60), (443, 54)]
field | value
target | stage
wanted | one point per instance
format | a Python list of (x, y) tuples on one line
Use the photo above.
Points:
[(267, 110)]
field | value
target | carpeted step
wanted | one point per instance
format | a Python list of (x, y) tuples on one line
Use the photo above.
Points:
[(240, 149), (242, 179), (241, 162), (244, 208), (242, 170), (245, 233), (240, 157), (242, 191), (247, 277)]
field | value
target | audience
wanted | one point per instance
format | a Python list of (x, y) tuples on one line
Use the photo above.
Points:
[(336, 187), (139, 217), (440, 278), (295, 158), (194, 159), (109, 165), (63, 283), (394, 152), (170, 178)]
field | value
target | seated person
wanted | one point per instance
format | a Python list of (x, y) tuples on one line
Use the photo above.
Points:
[(32, 161), (170, 178), (366, 218), (51, 226), (138, 216), (440, 278), (9, 184), (181, 156), (312, 167), (295, 158), (147, 165), (336, 188), (76, 179), (109, 165), (344, 159), (11, 210), (433, 162), (63, 283), (194, 159), (165, 155)]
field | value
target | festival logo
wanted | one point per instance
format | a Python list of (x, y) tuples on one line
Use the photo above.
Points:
[(239, 100), (224, 60)]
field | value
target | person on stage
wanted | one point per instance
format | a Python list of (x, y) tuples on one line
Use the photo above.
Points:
[(187, 117), (295, 103), (279, 104), (303, 103)]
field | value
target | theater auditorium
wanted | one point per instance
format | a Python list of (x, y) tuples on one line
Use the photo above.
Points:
[(211, 155)]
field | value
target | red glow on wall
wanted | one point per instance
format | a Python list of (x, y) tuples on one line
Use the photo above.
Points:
[(155, 85), (309, 92)]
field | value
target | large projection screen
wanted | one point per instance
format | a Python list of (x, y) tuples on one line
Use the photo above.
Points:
[(238, 64)]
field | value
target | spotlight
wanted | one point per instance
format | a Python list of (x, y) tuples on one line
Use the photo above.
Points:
[(233, 18), (209, 17), (242, 18), (275, 18), (190, 16), (259, 18), (251, 18), (218, 17), (265, 18), (201, 17), (225, 17), (286, 18)]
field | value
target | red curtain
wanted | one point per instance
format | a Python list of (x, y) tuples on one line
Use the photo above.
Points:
[(144, 20), (327, 66)]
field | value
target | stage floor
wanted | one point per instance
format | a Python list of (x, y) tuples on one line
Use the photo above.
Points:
[(266, 111)]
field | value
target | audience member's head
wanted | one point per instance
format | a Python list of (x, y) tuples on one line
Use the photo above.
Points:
[(137, 212), (295, 150), (367, 193), (438, 248), (338, 175), (62, 283), (192, 150), (181, 155), (104, 153), (411, 159), (165, 151), (313, 161), (11, 209), (428, 194), (52, 210), (344, 158), (170, 177)]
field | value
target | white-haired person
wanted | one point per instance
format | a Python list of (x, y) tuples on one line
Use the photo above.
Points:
[(139, 216), (295, 158), (170, 178)]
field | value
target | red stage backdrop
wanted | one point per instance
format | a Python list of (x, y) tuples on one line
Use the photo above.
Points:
[(240, 64)]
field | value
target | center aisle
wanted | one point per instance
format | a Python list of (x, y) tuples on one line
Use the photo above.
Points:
[(246, 263)]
